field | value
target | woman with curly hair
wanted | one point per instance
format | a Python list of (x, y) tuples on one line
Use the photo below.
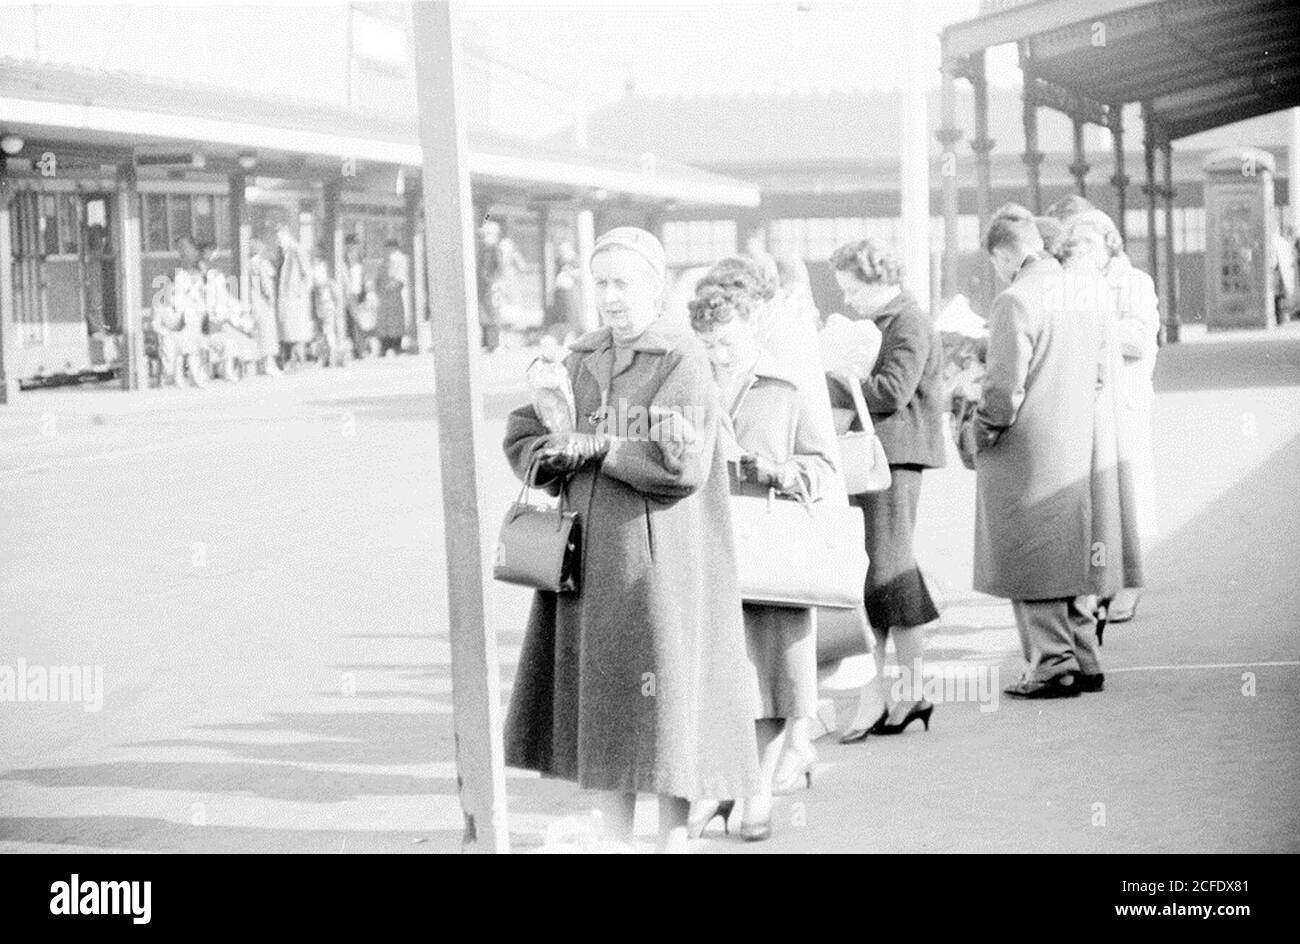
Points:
[(903, 394), (778, 440)]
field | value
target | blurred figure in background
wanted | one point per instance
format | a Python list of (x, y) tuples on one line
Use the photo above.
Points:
[(261, 303), (359, 297), (391, 288), (568, 302), (228, 333), (499, 262), (185, 345), (293, 298), (328, 308)]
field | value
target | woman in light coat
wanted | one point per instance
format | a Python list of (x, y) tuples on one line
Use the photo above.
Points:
[(637, 683), (774, 436), (293, 298), (1139, 333), (261, 291)]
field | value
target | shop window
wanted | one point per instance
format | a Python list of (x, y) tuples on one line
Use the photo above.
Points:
[(221, 223), (178, 218), (201, 225), (153, 212), (48, 225), (69, 224)]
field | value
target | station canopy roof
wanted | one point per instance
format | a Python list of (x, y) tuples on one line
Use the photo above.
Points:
[(120, 111), (1199, 64)]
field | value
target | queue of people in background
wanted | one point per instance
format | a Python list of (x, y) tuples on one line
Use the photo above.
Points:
[(1057, 443), (297, 310)]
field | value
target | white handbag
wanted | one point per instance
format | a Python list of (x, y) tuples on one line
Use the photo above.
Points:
[(866, 467), (795, 553)]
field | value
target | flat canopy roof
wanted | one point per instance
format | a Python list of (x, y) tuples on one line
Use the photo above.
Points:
[(1199, 63), (114, 109)]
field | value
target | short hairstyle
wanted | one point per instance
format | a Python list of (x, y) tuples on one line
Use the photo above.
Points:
[(1012, 225), (205, 246), (392, 244), (734, 288), (176, 243), (1067, 207), (1053, 233), (873, 261), (1091, 223)]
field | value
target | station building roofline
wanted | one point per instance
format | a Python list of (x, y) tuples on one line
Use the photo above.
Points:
[(115, 109)]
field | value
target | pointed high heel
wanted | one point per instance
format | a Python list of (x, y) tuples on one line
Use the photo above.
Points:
[(715, 808), (921, 711), (788, 775), (855, 735)]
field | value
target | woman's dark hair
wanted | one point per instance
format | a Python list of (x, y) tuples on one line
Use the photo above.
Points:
[(733, 288), (1012, 225), (873, 261)]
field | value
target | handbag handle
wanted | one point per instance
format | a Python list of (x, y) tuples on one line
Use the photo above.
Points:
[(859, 403), (525, 495)]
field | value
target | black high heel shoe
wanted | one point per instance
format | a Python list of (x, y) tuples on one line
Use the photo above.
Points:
[(695, 828), (921, 711), (860, 734)]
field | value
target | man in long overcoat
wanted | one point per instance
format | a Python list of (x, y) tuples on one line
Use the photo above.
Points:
[(1047, 499)]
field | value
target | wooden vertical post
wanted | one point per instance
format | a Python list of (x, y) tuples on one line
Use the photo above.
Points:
[(241, 233), (130, 278), (949, 134), (8, 383), (1152, 191), (1079, 169), (546, 258), (1171, 263), (981, 143), (416, 270), (450, 251), (914, 163), (1032, 156), (1119, 180)]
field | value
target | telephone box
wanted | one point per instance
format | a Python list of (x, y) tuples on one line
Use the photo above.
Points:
[(1240, 220)]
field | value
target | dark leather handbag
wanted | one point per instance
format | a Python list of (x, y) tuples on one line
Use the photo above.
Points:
[(539, 546)]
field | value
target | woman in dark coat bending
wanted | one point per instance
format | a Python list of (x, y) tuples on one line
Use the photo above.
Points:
[(902, 393)]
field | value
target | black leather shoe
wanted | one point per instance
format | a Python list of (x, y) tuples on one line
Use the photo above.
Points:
[(1090, 682), (1060, 686)]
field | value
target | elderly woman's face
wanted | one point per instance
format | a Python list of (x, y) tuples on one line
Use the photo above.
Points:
[(627, 292)]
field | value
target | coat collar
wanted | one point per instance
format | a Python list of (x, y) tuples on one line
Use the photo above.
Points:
[(596, 350), (1041, 262), (656, 339)]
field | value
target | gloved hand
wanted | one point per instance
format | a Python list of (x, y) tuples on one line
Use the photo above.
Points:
[(766, 472), (568, 452)]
